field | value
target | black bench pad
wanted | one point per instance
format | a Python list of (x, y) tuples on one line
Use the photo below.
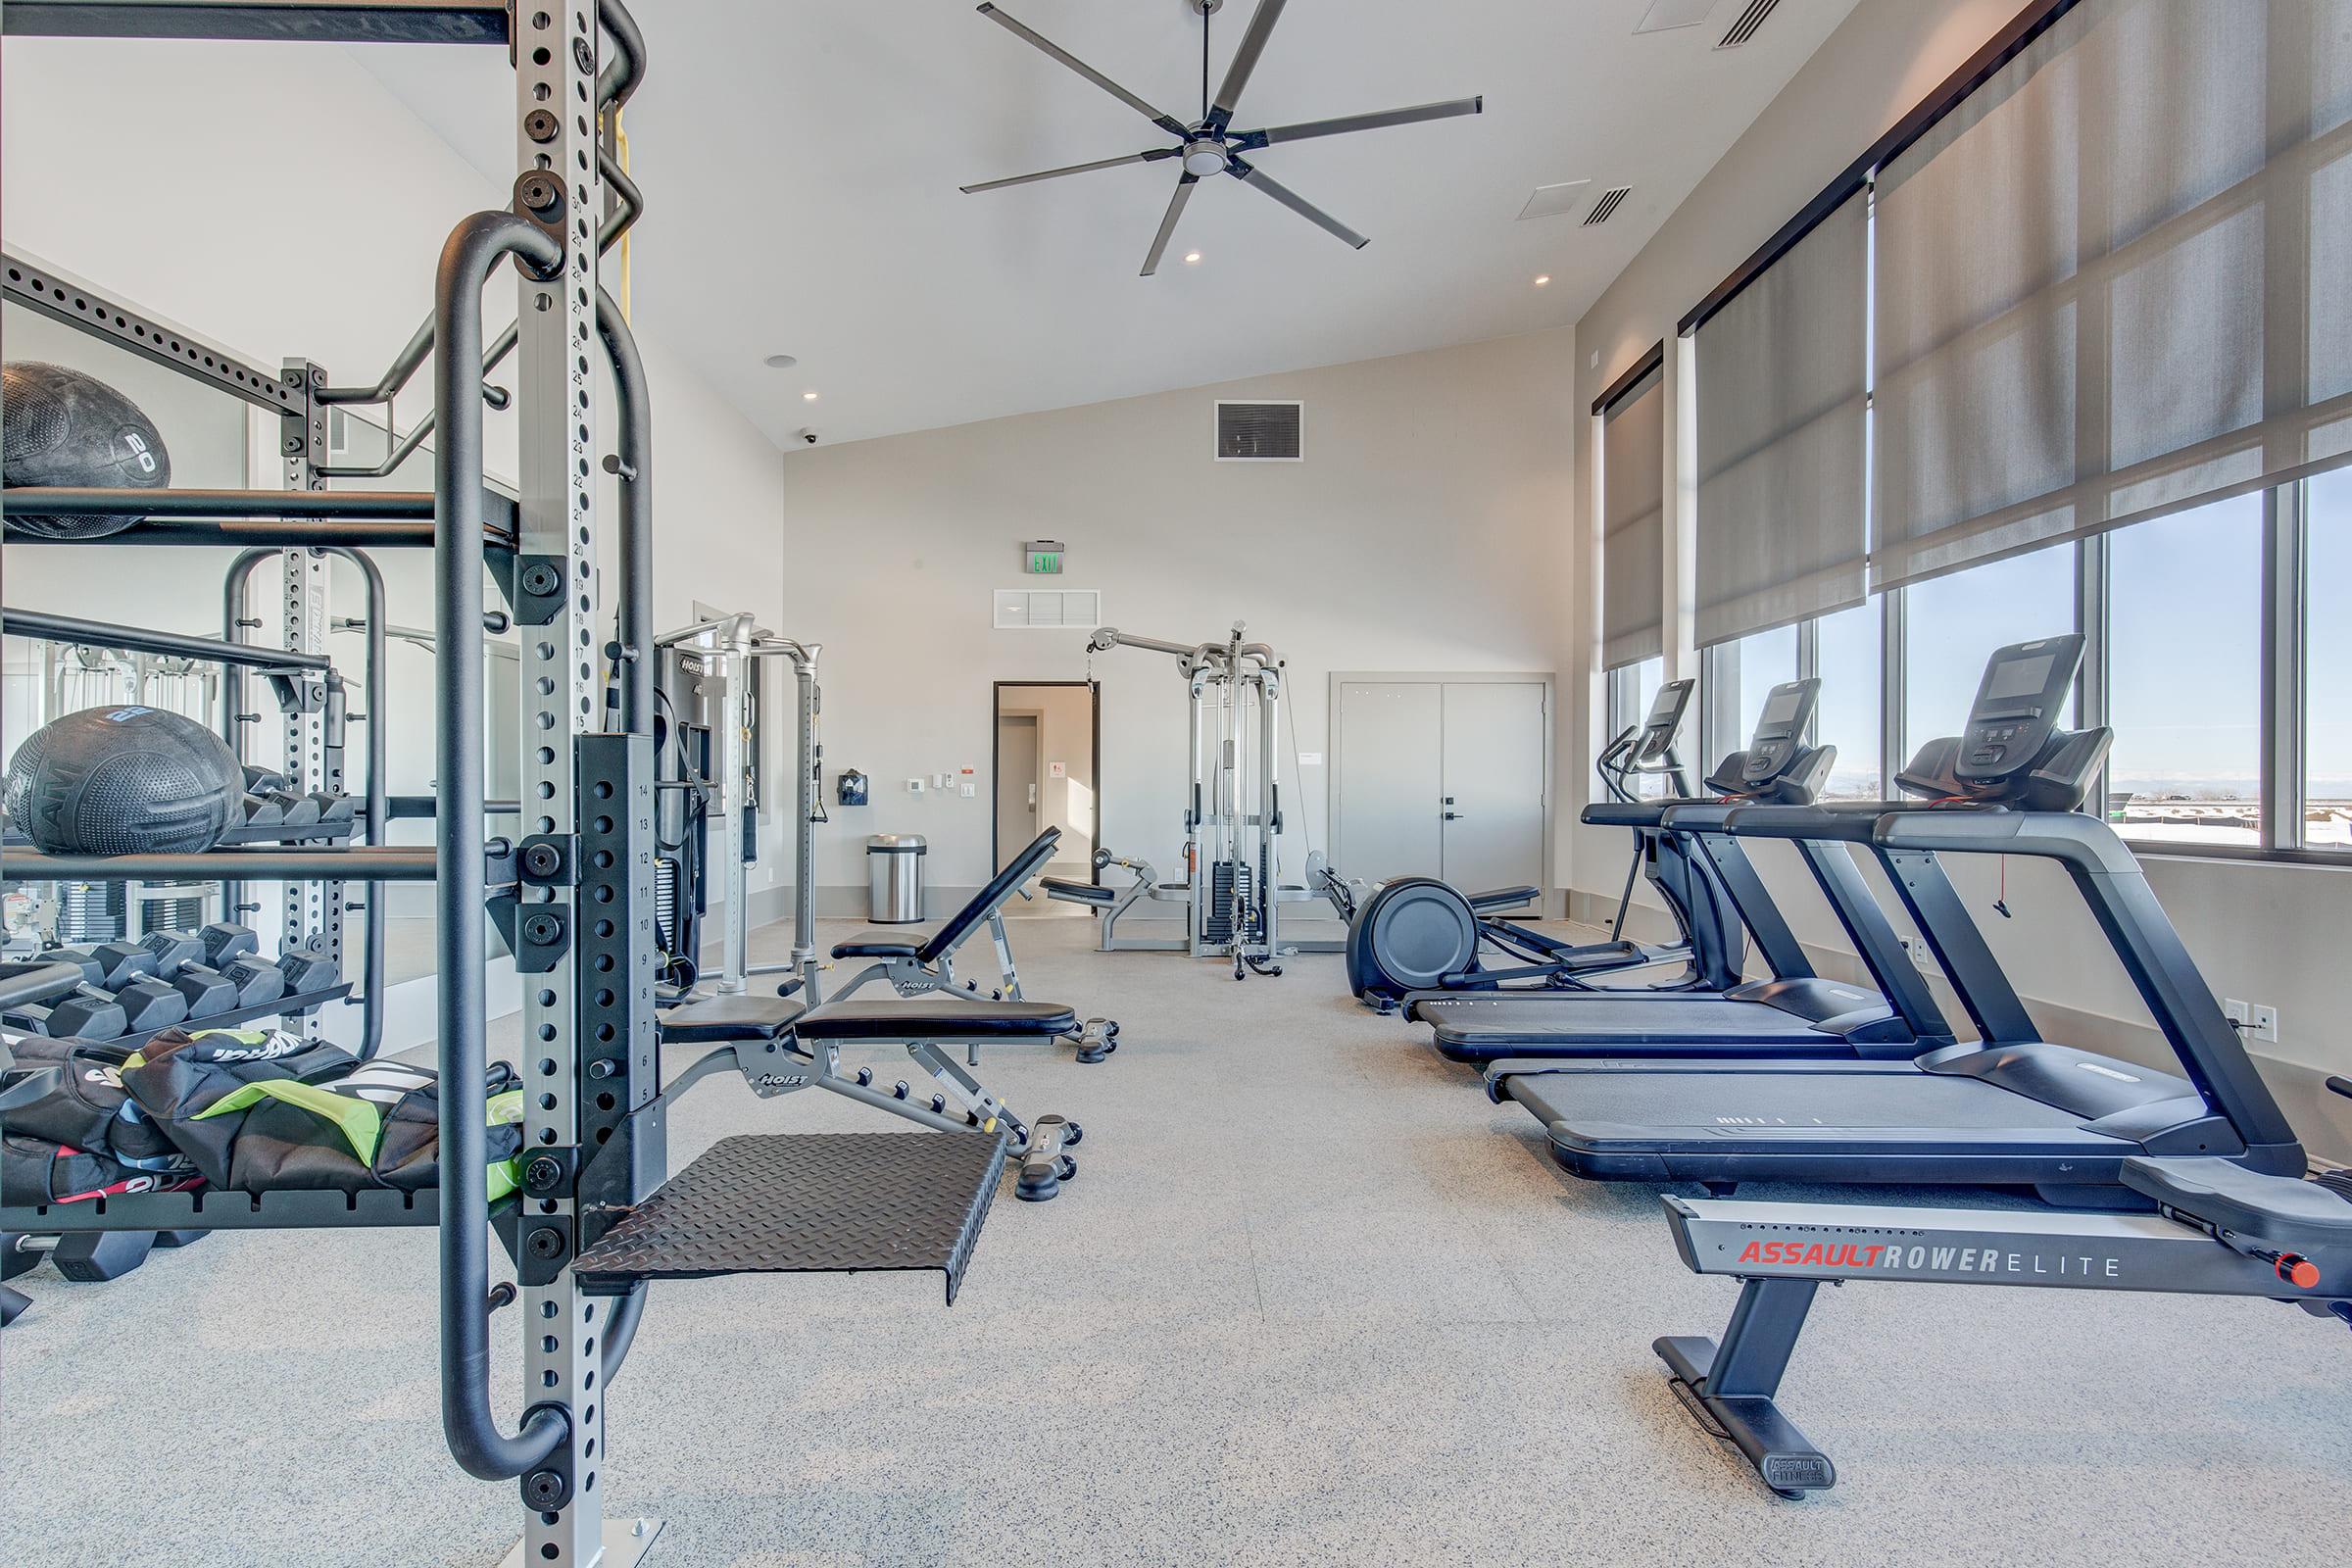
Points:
[(716, 1021), (874, 950), (913, 1019), (1060, 887)]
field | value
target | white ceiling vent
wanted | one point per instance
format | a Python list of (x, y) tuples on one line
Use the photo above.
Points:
[(1549, 201), (1752, 18), (1664, 16), (1610, 200), (1261, 432)]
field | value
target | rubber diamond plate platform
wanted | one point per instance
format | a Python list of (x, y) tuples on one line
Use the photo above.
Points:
[(807, 1203)]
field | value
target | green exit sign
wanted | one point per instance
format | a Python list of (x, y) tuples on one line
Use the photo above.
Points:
[(1042, 556)]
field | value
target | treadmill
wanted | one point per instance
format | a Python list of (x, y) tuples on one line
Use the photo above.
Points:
[(1795, 1014), (2012, 1110)]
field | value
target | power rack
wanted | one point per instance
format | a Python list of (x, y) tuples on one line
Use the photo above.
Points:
[(572, 889)]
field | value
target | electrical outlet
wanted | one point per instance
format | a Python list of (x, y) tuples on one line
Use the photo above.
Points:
[(1921, 958), (970, 790), (2239, 1014), (2265, 1023)]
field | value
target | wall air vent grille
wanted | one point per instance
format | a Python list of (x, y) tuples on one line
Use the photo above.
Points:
[(1048, 608), (1752, 18), (1610, 200), (1261, 432)]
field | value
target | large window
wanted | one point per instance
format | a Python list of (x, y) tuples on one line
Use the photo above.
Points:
[(1951, 625), (1739, 674), (1846, 658), (2183, 664), (1631, 689), (2327, 663)]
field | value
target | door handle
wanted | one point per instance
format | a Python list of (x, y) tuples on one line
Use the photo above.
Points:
[(1455, 817)]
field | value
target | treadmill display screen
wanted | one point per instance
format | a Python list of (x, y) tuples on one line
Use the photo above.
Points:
[(1779, 712), (2020, 677)]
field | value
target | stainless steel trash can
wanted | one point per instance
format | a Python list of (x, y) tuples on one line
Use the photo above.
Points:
[(894, 878)]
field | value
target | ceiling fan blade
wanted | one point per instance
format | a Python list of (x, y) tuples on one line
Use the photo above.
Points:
[(1153, 155), (1258, 179), (1164, 120), (1168, 225), (1341, 127), (1245, 61)]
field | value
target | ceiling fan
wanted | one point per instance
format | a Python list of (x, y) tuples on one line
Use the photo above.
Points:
[(1208, 146)]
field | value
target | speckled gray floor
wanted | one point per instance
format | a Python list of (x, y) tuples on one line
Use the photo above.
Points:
[(1311, 1300)]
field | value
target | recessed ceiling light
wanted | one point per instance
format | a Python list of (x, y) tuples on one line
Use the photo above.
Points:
[(1191, 258), (780, 362), (1543, 280), (808, 397)]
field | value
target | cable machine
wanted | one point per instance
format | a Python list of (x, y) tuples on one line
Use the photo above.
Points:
[(1232, 892)]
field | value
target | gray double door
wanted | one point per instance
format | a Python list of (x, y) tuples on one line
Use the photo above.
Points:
[(1443, 778)]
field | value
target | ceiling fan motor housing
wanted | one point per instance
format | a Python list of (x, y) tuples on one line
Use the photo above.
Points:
[(1204, 158)]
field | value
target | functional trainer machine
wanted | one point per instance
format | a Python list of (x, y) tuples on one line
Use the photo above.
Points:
[(709, 694), (1232, 892), (2219, 1229)]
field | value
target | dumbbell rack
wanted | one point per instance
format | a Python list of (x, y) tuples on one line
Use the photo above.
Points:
[(311, 693), (573, 891)]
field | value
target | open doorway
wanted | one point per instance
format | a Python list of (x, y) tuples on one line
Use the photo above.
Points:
[(1048, 759)]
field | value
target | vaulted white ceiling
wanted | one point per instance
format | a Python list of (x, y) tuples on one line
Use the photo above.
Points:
[(801, 162)]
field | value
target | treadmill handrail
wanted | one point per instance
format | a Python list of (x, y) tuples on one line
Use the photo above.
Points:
[(2169, 984), (1840, 821)]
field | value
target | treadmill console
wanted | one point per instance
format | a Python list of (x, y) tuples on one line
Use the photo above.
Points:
[(2016, 709), (1779, 731), (1662, 723)]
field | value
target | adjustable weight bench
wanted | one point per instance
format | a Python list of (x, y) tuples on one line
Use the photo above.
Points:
[(805, 1053), (914, 968)]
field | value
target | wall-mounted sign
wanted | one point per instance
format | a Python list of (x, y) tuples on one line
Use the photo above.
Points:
[(1042, 558)]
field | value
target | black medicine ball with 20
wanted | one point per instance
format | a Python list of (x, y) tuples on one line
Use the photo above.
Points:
[(61, 426), (128, 780)]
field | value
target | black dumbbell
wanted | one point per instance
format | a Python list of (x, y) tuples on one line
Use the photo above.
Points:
[(307, 971), (294, 810), (136, 1007), (171, 949), (107, 964), (224, 940), (250, 983)]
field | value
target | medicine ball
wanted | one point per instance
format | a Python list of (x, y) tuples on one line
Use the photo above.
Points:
[(58, 426), (123, 781)]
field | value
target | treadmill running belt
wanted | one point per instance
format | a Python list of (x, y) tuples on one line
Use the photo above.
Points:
[(1854, 1122), (1490, 1028)]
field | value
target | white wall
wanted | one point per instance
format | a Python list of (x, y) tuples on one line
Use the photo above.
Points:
[(2257, 930), (1425, 530), (279, 201)]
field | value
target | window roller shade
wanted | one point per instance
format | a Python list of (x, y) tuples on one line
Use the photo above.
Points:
[(1781, 438), (1633, 511), (2117, 281)]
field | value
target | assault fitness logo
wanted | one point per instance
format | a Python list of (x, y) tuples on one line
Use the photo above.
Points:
[(1929, 1262)]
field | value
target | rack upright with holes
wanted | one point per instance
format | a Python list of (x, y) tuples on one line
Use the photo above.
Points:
[(568, 887), (572, 891)]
